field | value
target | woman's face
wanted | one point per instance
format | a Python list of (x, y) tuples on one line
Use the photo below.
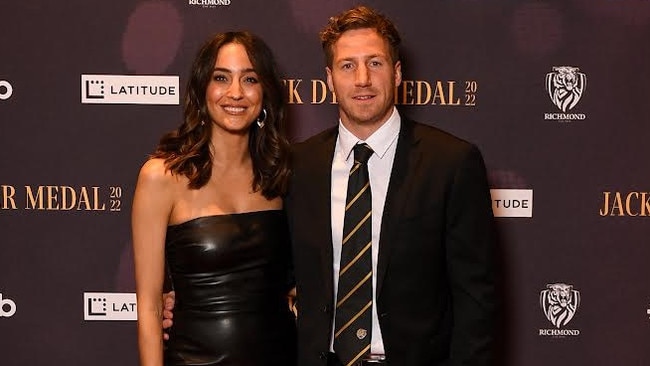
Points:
[(234, 94)]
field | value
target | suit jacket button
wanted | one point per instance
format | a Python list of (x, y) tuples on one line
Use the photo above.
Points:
[(383, 315), (326, 309)]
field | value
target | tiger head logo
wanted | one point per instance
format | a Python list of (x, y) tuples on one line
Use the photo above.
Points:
[(565, 86), (559, 302)]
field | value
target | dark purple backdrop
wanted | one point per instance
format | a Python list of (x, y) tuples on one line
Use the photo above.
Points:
[(501, 50)]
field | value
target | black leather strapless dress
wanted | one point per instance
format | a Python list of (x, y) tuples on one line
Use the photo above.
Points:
[(231, 274)]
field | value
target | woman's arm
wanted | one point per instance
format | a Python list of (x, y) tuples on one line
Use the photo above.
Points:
[(152, 204)]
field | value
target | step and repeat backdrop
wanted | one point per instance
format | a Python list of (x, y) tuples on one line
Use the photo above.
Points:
[(553, 92)]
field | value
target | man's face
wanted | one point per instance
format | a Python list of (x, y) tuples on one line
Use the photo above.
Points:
[(363, 77)]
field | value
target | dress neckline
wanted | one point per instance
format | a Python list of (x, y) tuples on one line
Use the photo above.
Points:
[(224, 215)]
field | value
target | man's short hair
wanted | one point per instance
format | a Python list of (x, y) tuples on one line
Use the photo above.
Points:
[(359, 17)]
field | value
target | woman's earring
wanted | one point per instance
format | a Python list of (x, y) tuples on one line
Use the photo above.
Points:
[(198, 114), (261, 119)]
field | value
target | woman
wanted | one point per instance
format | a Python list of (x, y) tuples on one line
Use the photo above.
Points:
[(207, 205)]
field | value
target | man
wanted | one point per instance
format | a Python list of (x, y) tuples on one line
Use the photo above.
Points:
[(433, 297), (429, 230)]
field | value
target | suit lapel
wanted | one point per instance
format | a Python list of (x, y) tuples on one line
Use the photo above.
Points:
[(321, 170), (406, 161)]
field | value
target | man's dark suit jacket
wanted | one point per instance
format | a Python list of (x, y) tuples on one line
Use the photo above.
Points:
[(435, 284)]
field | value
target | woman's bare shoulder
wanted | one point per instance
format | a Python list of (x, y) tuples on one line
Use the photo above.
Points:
[(154, 173)]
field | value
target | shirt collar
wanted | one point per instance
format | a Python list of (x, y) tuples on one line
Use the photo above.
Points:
[(380, 141)]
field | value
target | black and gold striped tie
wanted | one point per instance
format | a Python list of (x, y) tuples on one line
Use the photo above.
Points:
[(353, 321)]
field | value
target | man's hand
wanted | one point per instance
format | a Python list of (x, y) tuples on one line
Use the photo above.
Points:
[(293, 301), (169, 299)]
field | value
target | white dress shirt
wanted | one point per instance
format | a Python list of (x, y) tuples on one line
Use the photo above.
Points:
[(383, 142)]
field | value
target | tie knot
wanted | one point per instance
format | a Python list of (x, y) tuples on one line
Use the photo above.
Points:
[(362, 153)]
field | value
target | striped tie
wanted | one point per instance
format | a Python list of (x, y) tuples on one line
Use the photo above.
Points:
[(354, 300)]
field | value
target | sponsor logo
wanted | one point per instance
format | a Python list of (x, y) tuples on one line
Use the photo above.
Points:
[(512, 202), (110, 306), (7, 307), (565, 86), (559, 302), (209, 3), (628, 204), (5, 90), (129, 89)]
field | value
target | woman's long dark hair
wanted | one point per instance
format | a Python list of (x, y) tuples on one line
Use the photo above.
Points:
[(186, 150)]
